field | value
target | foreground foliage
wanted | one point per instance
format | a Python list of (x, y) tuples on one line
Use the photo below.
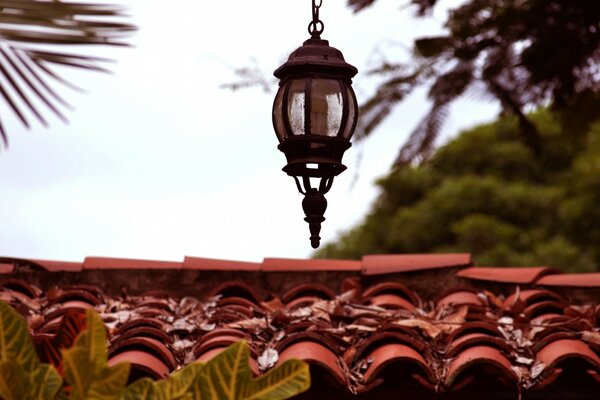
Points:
[(486, 193), (88, 376)]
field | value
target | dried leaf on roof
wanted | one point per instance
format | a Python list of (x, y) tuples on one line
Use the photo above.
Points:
[(426, 327), (455, 320)]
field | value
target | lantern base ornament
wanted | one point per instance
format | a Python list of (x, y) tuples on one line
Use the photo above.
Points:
[(314, 206)]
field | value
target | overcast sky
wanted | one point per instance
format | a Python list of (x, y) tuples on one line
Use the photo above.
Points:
[(159, 162)]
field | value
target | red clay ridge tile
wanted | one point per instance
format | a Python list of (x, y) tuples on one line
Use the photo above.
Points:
[(143, 364), (388, 264), (391, 288), (480, 355), (236, 289), (301, 265), (54, 266), (125, 263), (575, 280), (520, 275), (391, 301), (315, 354), (6, 268), (557, 351), (459, 298), (390, 353), (211, 264), (308, 289)]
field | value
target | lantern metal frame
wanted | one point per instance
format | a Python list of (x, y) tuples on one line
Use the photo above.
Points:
[(311, 155)]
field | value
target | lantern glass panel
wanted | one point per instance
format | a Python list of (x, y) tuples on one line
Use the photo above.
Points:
[(352, 107), (326, 107), (278, 115), (296, 105)]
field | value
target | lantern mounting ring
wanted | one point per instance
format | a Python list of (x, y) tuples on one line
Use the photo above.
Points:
[(316, 26)]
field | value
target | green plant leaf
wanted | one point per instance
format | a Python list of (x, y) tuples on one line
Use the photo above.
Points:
[(14, 383), (15, 343), (85, 365), (287, 380), (183, 383), (22, 375), (47, 382), (228, 377)]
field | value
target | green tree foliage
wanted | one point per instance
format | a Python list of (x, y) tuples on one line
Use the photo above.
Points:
[(520, 53), (486, 193)]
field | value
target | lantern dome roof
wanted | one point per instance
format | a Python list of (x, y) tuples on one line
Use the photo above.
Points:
[(314, 56)]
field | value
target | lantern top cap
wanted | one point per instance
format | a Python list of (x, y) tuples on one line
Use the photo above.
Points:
[(314, 56)]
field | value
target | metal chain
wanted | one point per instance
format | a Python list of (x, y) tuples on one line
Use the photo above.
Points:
[(316, 26)]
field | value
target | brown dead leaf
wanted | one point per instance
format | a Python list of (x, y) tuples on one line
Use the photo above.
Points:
[(322, 309), (452, 322), (361, 328), (249, 324), (492, 298), (427, 327), (273, 305)]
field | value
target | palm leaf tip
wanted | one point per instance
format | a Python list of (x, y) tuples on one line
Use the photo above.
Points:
[(31, 31)]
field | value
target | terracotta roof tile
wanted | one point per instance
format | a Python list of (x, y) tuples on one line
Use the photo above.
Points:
[(386, 264), (300, 265), (394, 353), (125, 263), (315, 354), (60, 265), (211, 264), (518, 275), (477, 356), (143, 364), (558, 351), (372, 333), (577, 280), (6, 268)]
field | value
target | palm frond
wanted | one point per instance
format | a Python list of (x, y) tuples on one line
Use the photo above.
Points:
[(447, 87), (420, 144), (30, 30), (393, 90)]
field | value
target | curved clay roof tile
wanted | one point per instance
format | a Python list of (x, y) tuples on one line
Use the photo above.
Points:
[(392, 353), (308, 289), (475, 356)]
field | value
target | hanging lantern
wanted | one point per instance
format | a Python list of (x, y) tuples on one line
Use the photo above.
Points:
[(314, 116)]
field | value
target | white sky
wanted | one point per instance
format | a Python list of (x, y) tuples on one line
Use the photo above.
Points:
[(158, 162)]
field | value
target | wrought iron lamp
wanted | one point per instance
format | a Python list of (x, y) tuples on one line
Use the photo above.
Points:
[(314, 116)]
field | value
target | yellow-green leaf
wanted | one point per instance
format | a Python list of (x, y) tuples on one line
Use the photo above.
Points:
[(142, 389), (14, 383), (47, 382), (287, 380), (221, 377), (179, 386), (85, 365), (110, 383), (15, 343), (22, 374), (228, 377)]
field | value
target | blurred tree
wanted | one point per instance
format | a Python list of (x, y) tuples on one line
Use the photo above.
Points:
[(31, 34), (522, 53), (485, 192)]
